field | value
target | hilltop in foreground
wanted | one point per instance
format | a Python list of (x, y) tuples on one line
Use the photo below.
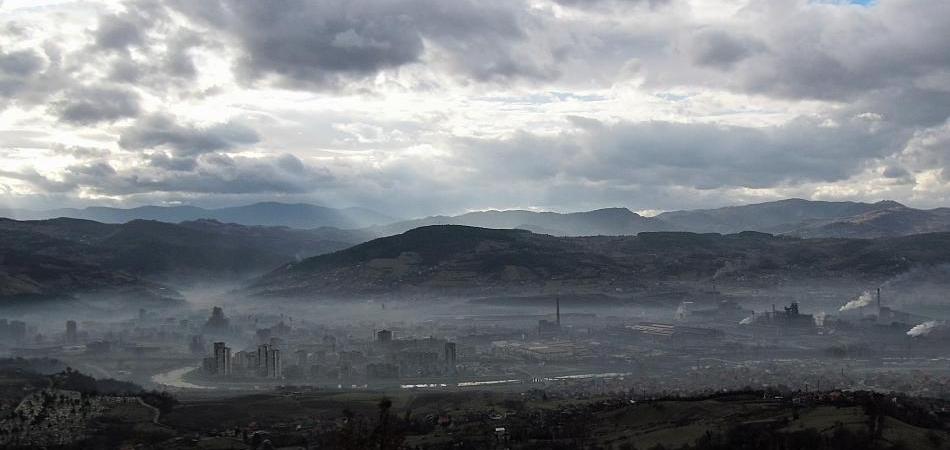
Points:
[(64, 408)]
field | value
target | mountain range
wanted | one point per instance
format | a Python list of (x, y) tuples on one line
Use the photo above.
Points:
[(144, 258), (296, 215), (794, 217), (453, 259)]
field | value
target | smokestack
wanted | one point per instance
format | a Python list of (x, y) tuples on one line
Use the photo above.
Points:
[(558, 310), (879, 300)]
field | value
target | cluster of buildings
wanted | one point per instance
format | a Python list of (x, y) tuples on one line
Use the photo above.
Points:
[(296, 353), (12, 331), (264, 362)]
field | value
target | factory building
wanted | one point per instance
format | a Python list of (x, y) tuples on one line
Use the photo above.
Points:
[(665, 332), (790, 318)]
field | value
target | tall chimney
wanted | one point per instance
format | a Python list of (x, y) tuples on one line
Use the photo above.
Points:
[(558, 311), (878, 300)]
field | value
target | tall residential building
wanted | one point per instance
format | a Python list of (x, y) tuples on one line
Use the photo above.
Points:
[(384, 336), (274, 370), (262, 351), (268, 361), (250, 363), (239, 362), (450, 356), (71, 335), (222, 359)]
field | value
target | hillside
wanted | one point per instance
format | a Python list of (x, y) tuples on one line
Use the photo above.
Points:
[(477, 261), (608, 222), (449, 257), (896, 221), (60, 257)]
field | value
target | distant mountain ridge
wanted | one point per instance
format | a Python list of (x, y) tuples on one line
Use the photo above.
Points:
[(794, 217), (294, 215), (771, 217), (607, 221)]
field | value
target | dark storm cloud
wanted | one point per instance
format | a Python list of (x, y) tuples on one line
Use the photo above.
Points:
[(311, 43), (324, 44), (722, 49), (178, 61), (165, 69), (131, 27), (21, 63), (908, 105), (16, 70), (898, 174), (164, 131), (824, 51), (224, 174), (30, 77), (91, 105), (118, 32)]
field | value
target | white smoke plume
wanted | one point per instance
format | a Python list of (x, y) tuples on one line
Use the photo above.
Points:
[(747, 320), (860, 302), (923, 329), (683, 310)]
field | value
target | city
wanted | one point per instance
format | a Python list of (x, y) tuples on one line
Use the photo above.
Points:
[(475, 224)]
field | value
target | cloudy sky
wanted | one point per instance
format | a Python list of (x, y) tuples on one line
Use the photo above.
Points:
[(416, 107)]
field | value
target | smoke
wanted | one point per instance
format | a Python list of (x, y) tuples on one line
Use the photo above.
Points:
[(923, 329), (683, 310), (747, 320), (860, 302), (725, 269)]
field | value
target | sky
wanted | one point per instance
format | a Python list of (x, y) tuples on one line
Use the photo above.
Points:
[(419, 107)]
